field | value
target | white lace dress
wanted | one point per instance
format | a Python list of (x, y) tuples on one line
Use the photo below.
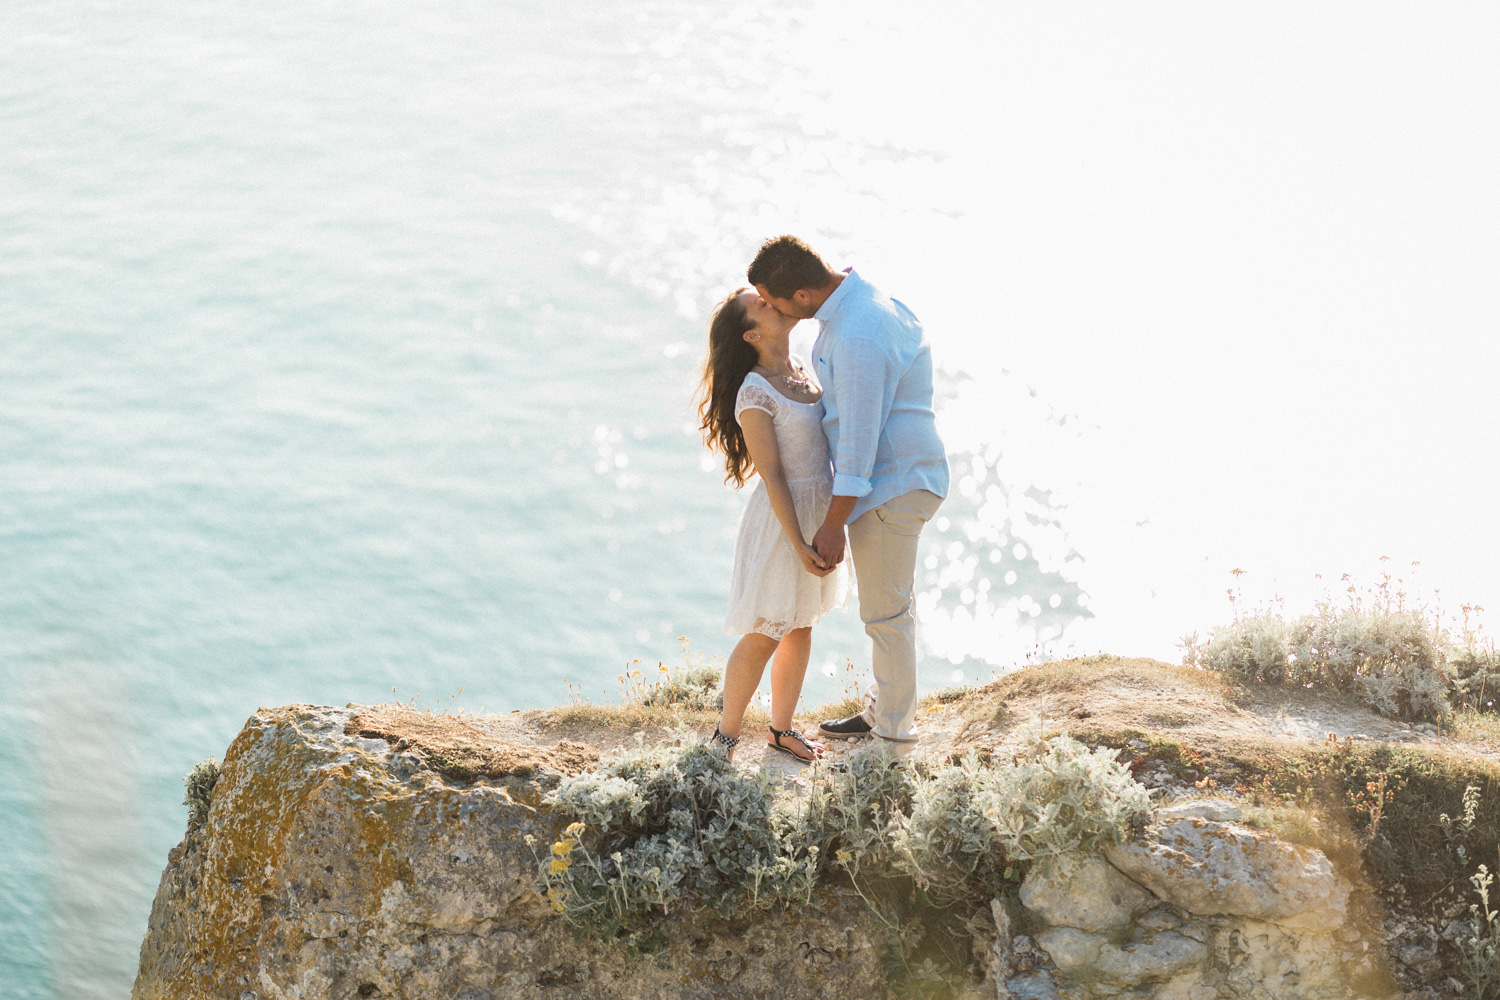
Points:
[(770, 592)]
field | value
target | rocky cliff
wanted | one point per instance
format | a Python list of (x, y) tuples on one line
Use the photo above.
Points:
[(336, 861), (332, 865)]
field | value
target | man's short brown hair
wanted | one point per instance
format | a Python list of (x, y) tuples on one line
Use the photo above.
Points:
[(785, 264)]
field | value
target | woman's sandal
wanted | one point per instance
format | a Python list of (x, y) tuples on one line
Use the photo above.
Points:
[(721, 742), (815, 749)]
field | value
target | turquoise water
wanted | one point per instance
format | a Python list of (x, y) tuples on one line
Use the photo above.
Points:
[(347, 352)]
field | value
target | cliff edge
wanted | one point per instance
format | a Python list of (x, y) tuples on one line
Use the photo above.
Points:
[(390, 852), (332, 864)]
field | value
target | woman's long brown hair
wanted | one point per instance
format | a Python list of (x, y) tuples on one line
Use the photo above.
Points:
[(730, 359)]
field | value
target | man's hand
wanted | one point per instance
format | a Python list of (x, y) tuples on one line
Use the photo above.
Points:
[(829, 543), (830, 538)]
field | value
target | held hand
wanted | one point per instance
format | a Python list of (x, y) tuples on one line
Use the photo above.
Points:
[(812, 562), (829, 543)]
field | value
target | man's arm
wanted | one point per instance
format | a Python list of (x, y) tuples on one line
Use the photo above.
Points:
[(860, 373), (859, 384), (829, 540)]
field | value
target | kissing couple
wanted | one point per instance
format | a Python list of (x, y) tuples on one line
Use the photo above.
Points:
[(849, 459)]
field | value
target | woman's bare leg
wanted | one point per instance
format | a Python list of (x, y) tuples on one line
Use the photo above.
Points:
[(787, 672), (742, 676)]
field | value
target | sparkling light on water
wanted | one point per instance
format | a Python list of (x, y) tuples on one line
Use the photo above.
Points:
[(349, 349)]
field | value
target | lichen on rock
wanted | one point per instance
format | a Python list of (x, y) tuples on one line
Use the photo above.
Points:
[(334, 864), (384, 853)]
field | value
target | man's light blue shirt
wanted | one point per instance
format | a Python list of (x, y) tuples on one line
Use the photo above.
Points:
[(876, 368)]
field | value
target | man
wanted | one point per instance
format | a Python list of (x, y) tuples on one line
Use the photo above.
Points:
[(890, 469)]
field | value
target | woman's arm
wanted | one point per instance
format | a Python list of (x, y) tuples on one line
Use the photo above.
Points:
[(760, 440)]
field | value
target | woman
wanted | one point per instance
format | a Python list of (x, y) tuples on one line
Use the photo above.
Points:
[(762, 410)]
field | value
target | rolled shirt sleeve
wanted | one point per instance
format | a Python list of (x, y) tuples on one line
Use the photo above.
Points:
[(876, 368), (861, 382)]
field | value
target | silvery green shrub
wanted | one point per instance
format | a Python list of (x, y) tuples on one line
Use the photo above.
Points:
[(691, 687), (693, 684), (948, 843), (1252, 650), (1473, 666), (1388, 656), (1474, 680), (199, 793), (974, 827), (848, 814), (1059, 796), (662, 827), (601, 800)]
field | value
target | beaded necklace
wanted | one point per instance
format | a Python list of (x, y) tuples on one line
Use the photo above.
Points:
[(797, 380)]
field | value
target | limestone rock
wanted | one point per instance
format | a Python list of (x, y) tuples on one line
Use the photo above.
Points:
[(1070, 948), (1208, 867), (1152, 958), (332, 866), (1031, 986), (1269, 960), (1085, 892), (1232, 914), (1218, 810)]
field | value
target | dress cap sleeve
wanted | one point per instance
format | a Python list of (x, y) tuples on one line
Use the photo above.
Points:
[(754, 394)]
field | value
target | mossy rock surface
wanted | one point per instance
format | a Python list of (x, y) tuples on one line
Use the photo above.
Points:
[(345, 854), (380, 851)]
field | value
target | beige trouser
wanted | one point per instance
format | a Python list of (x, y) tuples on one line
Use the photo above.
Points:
[(883, 545)]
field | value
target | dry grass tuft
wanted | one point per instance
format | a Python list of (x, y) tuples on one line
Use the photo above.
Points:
[(1088, 672), (1111, 691), (1482, 728), (461, 751)]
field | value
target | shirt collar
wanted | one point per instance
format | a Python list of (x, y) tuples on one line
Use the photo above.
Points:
[(831, 304)]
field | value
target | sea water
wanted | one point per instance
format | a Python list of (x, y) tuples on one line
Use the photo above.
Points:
[(347, 353)]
